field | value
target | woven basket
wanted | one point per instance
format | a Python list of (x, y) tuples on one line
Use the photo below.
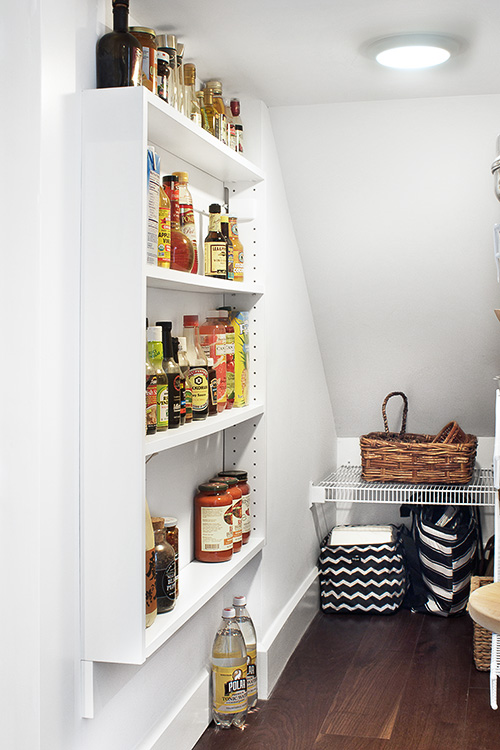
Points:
[(445, 458), (481, 638)]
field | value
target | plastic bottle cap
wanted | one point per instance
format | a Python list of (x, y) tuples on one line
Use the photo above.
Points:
[(228, 613), (214, 208), (170, 522), (190, 321), (154, 333), (239, 601), (164, 324)]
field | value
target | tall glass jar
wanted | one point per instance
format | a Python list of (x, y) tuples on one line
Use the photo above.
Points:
[(147, 40)]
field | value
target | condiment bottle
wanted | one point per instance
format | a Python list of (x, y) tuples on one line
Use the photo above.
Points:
[(163, 68), (181, 247), (151, 384), (238, 125), (209, 115), (184, 367), (155, 354), (165, 568), (212, 388), (213, 342), (118, 53), (224, 227), (186, 214), (229, 672), (223, 313), (242, 477), (213, 523), (238, 256), (248, 631), (236, 494), (192, 107), (216, 88), (151, 608), (215, 246), (147, 39), (172, 536), (173, 373), (198, 375), (164, 230), (182, 382), (169, 57)]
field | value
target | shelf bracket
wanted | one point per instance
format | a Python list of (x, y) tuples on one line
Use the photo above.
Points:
[(87, 688)]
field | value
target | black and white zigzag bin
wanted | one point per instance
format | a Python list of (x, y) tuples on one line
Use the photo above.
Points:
[(362, 570)]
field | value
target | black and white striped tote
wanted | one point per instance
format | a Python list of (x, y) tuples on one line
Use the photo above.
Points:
[(446, 539)]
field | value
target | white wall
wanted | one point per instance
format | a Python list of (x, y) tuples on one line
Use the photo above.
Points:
[(393, 208)]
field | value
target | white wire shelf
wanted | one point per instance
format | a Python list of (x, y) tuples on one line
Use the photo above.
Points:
[(345, 485)]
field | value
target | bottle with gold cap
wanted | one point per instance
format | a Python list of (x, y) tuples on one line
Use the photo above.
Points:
[(209, 115), (192, 107), (186, 214), (179, 102), (218, 102)]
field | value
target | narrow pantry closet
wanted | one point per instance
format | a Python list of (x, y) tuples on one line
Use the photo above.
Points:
[(240, 234)]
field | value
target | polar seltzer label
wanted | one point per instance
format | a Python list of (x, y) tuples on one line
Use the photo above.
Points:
[(230, 689)]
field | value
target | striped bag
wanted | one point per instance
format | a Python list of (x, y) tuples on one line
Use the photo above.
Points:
[(447, 542), (362, 577)]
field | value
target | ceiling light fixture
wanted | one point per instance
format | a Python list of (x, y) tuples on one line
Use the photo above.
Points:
[(413, 51)]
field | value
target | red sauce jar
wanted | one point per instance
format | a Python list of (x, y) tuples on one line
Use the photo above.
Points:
[(246, 516), (213, 523), (236, 493)]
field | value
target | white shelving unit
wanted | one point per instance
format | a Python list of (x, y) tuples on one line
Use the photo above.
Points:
[(119, 290)]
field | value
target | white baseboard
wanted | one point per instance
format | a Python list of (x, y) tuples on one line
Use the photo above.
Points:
[(280, 641)]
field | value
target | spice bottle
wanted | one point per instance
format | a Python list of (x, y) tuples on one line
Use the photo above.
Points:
[(147, 40), (215, 246), (229, 672), (151, 608), (236, 494), (248, 631), (172, 536), (213, 523), (246, 517), (165, 568)]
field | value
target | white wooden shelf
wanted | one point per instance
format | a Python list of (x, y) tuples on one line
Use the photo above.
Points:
[(195, 430), (166, 278), (198, 582)]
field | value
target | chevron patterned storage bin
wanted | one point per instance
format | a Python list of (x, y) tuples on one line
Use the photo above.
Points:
[(359, 575)]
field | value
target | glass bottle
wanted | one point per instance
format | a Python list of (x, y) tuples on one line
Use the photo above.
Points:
[(236, 494), (118, 53), (163, 68), (212, 388), (213, 523), (198, 364), (172, 537), (209, 115), (155, 355), (151, 384), (179, 103), (181, 247), (151, 608), (242, 477), (184, 366), (224, 226), (173, 373), (169, 59), (164, 567), (186, 214), (238, 125), (215, 246), (182, 381), (249, 636), (192, 107), (223, 314), (164, 230), (238, 255), (230, 127), (147, 39), (218, 102), (229, 671), (213, 343)]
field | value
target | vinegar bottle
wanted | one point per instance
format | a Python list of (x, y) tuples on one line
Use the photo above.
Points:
[(229, 670), (248, 631), (118, 54)]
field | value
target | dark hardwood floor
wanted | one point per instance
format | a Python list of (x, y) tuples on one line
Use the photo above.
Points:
[(402, 682)]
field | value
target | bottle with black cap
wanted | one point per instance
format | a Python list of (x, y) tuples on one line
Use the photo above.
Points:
[(173, 374), (215, 246), (118, 53)]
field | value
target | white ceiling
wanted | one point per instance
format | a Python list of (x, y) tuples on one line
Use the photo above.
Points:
[(289, 52)]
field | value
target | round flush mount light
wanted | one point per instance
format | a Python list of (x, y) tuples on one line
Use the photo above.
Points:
[(413, 51)]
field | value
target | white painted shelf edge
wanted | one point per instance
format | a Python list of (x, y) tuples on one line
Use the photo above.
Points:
[(166, 278), (198, 583), (189, 432)]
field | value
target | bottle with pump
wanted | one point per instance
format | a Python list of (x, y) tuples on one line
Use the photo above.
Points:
[(181, 248), (186, 214), (198, 364), (173, 373), (215, 246), (229, 669), (155, 355), (184, 367), (248, 631), (118, 53)]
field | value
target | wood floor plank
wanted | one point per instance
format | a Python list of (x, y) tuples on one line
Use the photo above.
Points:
[(482, 730), (335, 742)]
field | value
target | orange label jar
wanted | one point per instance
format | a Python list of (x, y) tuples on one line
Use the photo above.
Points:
[(236, 493), (246, 516), (213, 523)]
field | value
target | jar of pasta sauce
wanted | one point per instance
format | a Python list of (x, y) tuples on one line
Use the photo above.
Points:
[(147, 40), (236, 493), (213, 523), (246, 516)]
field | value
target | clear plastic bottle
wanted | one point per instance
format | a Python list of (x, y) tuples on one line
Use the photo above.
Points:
[(229, 669), (248, 630)]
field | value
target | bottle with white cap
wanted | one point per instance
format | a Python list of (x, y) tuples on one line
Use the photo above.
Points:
[(248, 631), (229, 672)]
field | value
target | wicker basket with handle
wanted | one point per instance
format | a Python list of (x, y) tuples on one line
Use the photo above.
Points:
[(481, 638), (445, 458)]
